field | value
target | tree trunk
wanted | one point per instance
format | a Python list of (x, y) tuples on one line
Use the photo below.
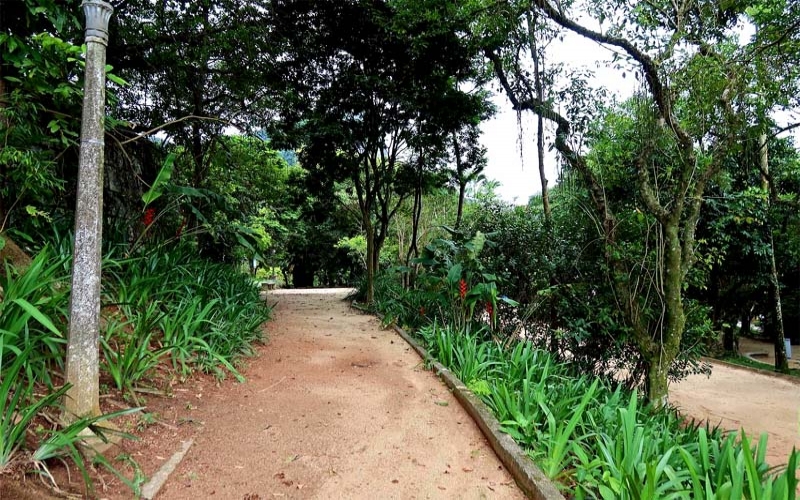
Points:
[(4, 123), (413, 249), (660, 348), (781, 363), (537, 83), (657, 382), (462, 190), (370, 236), (728, 338)]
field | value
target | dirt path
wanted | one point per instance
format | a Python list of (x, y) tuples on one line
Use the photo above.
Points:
[(335, 407), (742, 399)]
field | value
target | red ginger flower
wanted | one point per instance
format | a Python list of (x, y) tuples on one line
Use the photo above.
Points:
[(149, 216), (489, 309), (462, 288), (179, 232)]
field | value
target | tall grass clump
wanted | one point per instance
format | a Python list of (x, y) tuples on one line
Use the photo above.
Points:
[(165, 303), (596, 438), (33, 312), (199, 314)]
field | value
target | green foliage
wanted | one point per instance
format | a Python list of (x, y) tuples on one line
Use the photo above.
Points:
[(203, 314), (19, 406), (33, 312), (598, 440), (128, 356), (40, 97), (215, 313), (457, 286), (157, 188)]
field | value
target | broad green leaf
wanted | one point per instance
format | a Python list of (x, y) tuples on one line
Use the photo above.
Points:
[(41, 318), (162, 178)]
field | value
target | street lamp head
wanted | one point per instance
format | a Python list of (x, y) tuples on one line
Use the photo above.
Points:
[(97, 13)]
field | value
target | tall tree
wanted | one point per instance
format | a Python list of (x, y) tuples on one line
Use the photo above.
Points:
[(686, 81), (195, 70), (469, 158), (370, 91)]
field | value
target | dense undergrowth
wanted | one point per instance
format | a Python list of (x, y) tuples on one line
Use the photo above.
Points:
[(594, 436), (165, 313)]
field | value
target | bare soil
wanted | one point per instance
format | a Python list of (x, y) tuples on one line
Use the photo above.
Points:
[(335, 407)]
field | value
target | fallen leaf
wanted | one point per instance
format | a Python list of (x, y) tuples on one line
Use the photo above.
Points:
[(292, 458), (442, 403), (395, 481), (467, 469)]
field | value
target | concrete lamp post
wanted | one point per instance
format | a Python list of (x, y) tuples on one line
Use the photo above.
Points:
[(82, 368)]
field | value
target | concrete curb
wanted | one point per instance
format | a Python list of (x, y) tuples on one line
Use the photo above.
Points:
[(766, 372), (151, 489), (528, 476)]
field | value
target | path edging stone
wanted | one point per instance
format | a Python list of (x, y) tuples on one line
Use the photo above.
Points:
[(528, 476), (151, 489), (530, 479)]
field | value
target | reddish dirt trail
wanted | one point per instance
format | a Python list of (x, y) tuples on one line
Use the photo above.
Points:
[(737, 399), (335, 407)]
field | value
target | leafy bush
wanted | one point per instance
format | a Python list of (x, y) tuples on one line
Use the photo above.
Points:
[(561, 279)]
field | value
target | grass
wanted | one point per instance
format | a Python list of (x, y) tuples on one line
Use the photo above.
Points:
[(757, 365)]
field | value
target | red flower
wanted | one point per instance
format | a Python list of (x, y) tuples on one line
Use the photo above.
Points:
[(149, 216), (422, 311), (462, 288), (179, 232), (489, 309)]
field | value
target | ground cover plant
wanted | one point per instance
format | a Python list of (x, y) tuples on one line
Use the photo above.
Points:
[(596, 438), (163, 305)]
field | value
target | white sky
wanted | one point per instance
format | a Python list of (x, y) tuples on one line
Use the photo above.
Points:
[(517, 173)]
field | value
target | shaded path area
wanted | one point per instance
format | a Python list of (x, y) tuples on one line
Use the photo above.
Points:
[(335, 407), (737, 398)]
